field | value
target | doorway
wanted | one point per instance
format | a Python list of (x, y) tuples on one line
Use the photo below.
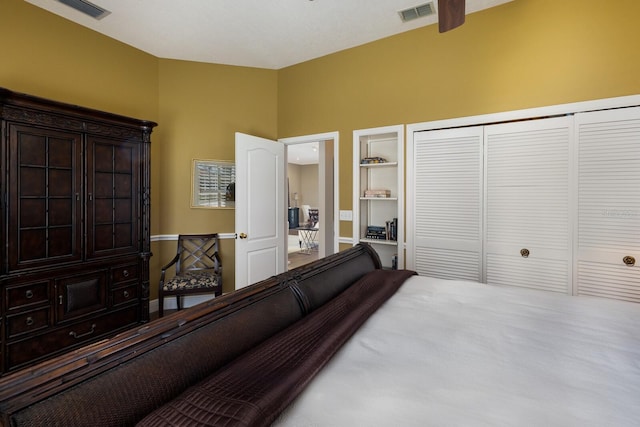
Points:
[(312, 192)]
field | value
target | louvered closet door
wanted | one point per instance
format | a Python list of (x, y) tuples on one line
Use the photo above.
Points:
[(608, 228), (527, 217), (448, 203)]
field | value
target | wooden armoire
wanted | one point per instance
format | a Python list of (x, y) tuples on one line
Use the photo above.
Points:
[(75, 226)]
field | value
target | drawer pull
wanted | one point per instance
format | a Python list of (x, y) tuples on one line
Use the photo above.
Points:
[(28, 294), (29, 321), (76, 336), (126, 294), (629, 260), (524, 253), (125, 273)]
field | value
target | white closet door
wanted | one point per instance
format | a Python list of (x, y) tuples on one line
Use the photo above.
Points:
[(448, 203), (527, 205), (608, 226)]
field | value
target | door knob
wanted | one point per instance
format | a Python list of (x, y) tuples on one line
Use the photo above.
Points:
[(243, 236), (629, 260)]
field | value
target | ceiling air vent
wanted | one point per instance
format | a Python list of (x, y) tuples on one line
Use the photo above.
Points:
[(87, 8), (417, 12)]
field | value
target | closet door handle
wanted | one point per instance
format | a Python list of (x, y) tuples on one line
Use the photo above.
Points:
[(629, 260), (524, 253)]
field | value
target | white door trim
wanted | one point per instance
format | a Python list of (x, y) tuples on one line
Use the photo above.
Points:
[(552, 110), (335, 136)]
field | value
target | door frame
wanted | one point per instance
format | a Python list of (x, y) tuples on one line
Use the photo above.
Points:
[(326, 248)]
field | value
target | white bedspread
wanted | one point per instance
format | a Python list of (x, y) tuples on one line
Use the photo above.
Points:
[(449, 353)]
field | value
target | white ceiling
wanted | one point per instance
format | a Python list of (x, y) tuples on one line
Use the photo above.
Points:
[(268, 34), (303, 154)]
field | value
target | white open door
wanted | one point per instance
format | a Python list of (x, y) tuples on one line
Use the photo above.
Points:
[(260, 209)]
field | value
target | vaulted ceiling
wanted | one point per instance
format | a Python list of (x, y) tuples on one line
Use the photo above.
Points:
[(268, 34)]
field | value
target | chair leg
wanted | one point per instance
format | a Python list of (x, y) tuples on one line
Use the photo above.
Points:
[(179, 302), (160, 306)]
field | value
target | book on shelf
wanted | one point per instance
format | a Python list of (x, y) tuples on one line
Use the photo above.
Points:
[(387, 232), (372, 160), (375, 232), (392, 229), (377, 193)]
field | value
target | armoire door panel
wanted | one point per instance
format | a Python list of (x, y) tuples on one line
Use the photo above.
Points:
[(44, 196), (33, 181), (61, 212), (64, 183), (448, 203), (122, 185), (112, 180), (527, 203), (60, 242), (608, 225), (122, 209), (33, 213)]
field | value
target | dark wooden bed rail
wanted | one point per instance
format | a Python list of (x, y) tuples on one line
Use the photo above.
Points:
[(313, 283)]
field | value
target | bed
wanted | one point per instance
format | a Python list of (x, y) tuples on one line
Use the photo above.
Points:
[(460, 353), (341, 342)]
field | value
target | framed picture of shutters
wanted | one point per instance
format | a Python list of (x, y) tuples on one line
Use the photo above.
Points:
[(213, 184)]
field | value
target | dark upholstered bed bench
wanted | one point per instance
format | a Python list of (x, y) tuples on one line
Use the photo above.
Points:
[(119, 381)]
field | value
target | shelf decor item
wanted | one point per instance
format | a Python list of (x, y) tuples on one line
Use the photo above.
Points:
[(377, 193), (373, 160)]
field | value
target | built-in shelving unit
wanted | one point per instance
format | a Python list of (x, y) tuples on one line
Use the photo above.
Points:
[(378, 192)]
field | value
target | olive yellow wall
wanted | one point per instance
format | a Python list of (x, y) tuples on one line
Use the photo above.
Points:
[(51, 57), (201, 108), (526, 53)]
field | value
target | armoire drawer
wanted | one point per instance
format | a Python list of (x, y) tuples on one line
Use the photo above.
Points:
[(123, 274), (27, 322), (23, 352), (27, 295), (124, 295)]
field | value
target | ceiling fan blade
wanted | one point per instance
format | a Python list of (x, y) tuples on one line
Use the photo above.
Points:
[(450, 14)]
